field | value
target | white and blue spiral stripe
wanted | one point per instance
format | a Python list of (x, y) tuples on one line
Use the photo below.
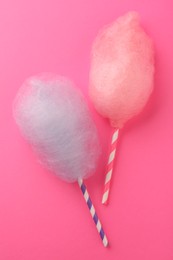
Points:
[(93, 212)]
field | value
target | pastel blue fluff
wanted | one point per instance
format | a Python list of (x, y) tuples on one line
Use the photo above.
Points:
[(53, 116)]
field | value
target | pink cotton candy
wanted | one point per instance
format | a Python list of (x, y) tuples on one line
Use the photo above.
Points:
[(122, 70)]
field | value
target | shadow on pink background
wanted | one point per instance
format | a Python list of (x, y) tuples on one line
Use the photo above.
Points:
[(44, 218)]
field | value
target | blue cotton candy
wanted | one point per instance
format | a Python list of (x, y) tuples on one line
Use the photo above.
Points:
[(53, 116)]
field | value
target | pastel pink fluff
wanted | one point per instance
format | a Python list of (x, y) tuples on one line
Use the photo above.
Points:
[(122, 70)]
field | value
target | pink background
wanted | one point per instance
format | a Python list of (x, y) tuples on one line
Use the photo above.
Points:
[(44, 218)]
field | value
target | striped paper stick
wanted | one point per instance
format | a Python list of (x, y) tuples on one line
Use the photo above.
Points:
[(110, 167), (93, 212)]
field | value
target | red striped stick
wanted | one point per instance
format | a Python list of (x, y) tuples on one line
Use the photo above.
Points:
[(110, 167)]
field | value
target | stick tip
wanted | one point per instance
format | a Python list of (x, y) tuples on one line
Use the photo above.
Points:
[(104, 203), (105, 198), (105, 242)]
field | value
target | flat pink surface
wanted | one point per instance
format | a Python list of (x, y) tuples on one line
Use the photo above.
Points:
[(44, 218)]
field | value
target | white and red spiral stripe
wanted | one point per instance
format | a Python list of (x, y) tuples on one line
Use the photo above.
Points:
[(110, 167)]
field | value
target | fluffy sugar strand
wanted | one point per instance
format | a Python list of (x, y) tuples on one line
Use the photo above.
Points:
[(122, 70), (53, 116)]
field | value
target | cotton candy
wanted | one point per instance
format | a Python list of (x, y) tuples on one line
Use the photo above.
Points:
[(122, 70), (53, 116)]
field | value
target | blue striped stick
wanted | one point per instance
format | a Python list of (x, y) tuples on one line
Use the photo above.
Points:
[(93, 212)]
